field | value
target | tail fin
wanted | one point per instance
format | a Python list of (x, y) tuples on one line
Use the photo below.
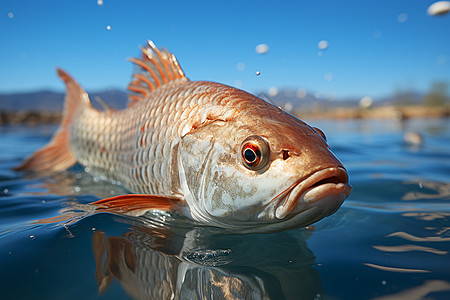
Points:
[(57, 155)]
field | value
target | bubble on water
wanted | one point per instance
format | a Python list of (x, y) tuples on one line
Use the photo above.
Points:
[(10, 15), (262, 48), (108, 27), (100, 2), (240, 66), (439, 8), (402, 18), (322, 45)]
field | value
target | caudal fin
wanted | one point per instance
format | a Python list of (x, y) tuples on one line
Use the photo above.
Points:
[(57, 155)]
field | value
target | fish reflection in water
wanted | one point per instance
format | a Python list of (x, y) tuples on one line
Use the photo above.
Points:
[(155, 262)]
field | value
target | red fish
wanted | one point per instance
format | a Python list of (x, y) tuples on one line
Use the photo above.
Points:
[(220, 155)]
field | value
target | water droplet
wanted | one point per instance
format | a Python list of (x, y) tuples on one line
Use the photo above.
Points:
[(439, 8), (402, 18), (43, 201), (376, 34), (273, 91), (328, 77), (93, 229), (240, 66), (365, 102), (10, 15), (108, 27), (301, 93), (258, 73), (441, 59), (420, 185), (77, 189), (262, 48), (32, 237), (383, 282), (322, 45), (100, 2), (5, 191)]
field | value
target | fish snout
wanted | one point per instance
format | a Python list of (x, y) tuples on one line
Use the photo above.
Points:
[(326, 189)]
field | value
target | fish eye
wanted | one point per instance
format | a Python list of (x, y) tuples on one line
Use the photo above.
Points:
[(254, 153), (320, 132)]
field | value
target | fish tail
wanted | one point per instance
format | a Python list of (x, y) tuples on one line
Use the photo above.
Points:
[(57, 154)]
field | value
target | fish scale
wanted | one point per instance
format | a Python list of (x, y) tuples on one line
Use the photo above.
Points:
[(139, 148)]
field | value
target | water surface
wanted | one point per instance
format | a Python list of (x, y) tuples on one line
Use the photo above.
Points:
[(390, 239)]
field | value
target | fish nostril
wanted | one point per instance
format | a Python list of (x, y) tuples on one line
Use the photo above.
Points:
[(285, 154)]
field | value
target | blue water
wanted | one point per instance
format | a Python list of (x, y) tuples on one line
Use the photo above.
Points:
[(390, 239)]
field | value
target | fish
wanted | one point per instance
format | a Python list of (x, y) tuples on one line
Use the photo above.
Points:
[(152, 262), (216, 154)]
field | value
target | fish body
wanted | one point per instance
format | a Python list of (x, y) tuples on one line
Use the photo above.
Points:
[(229, 158)]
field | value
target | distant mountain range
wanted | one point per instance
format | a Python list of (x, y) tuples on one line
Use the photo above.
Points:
[(53, 101), (287, 98)]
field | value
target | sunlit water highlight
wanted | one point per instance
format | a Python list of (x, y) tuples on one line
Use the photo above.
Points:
[(391, 238)]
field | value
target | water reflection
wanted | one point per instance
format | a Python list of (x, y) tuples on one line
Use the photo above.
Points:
[(155, 262)]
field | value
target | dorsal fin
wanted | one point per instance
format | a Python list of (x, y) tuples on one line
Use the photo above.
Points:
[(154, 69)]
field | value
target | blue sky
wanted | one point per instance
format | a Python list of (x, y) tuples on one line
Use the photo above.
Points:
[(375, 47)]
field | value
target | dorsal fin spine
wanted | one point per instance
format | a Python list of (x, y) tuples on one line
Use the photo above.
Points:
[(137, 89), (147, 68), (154, 69), (144, 79), (156, 50)]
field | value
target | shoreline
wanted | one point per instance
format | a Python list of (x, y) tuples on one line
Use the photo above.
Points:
[(338, 113)]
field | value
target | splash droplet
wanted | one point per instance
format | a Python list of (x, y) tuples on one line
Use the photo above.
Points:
[(240, 66), (402, 18), (439, 8), (328, 76), (322, 45), (262, 48)]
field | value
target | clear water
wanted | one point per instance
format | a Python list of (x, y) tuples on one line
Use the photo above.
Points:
[(390, 240)]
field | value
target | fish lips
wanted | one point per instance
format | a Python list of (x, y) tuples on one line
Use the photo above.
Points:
[(327, 188)]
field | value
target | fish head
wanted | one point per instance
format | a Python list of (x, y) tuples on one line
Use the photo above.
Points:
[(265, 170)]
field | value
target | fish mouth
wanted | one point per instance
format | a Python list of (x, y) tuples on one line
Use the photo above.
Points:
[(327, 188)]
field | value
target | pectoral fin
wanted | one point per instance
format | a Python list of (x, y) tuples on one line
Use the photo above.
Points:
[(137, 204)]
